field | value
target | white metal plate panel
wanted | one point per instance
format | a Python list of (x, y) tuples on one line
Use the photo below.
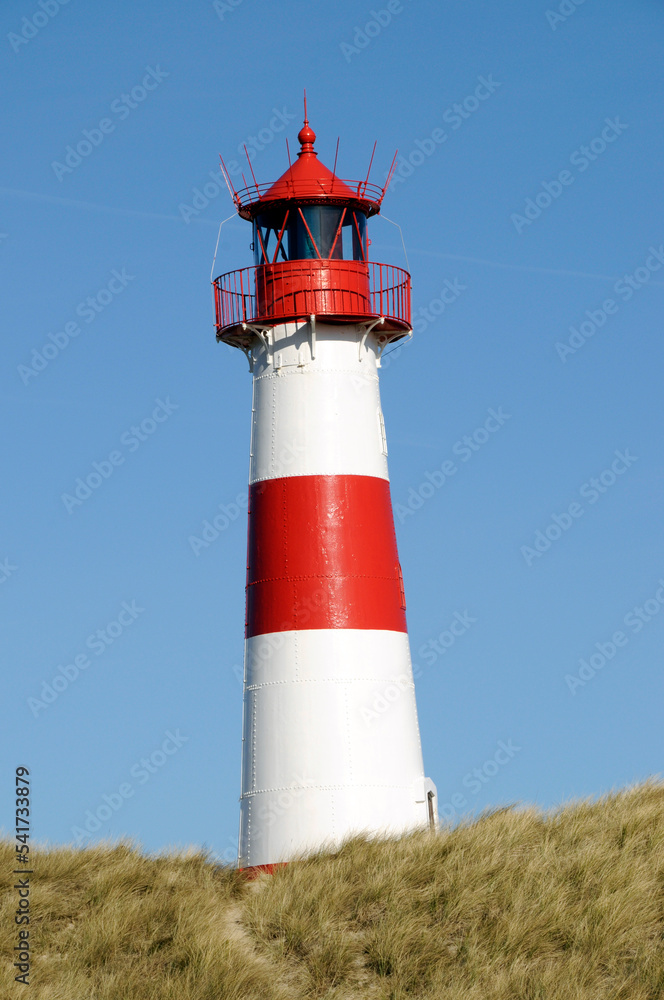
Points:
[(318, 418), (330, 716), (279, 826)]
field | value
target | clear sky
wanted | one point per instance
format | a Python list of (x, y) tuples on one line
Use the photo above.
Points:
[(530, 197)]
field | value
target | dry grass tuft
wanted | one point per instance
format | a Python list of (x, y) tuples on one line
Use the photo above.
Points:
[(519, 904)]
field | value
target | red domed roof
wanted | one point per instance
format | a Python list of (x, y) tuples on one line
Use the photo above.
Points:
[(308, 177), (309, 181)]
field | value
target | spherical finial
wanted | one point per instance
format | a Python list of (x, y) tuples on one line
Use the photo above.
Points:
[(306, 137)]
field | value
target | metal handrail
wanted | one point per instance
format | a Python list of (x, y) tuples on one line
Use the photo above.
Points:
[(363, 190), (234, 305), (236, 300)]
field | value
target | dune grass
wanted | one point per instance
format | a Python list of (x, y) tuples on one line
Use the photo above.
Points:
[(517, 905)]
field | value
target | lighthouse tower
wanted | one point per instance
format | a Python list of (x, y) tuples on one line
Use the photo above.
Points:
[(331, 743)]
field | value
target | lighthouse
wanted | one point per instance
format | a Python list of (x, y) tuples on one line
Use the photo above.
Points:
[(330, 743)]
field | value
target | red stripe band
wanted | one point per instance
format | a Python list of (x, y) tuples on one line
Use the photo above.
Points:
[(322, 554)]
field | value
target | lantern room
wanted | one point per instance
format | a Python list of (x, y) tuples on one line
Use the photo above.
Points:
[(310, 232), (311, 255)]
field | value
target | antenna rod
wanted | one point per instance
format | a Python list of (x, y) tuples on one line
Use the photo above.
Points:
[(369, 170), (290, 165), (252, 170), (334, 168), (389, 174), (229, 183)]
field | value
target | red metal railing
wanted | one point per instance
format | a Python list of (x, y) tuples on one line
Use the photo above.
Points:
[(235, 298), (390, 292), (274, 293), (364, 190)]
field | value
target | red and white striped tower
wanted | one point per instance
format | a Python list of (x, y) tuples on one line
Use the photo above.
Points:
[(326, 638)]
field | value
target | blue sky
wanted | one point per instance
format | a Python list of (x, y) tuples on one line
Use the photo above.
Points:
[(531, 214)]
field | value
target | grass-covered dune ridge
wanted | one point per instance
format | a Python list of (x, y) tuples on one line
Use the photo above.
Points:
[(517, 904)]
